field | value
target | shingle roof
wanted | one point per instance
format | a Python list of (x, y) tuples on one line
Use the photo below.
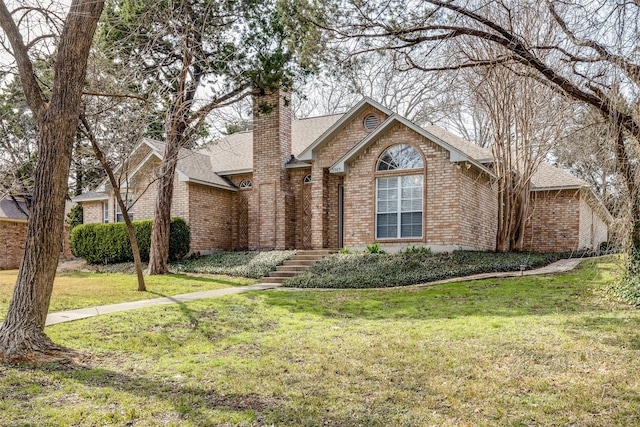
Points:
[(548, 176), (194, 165), (235, 152), (9, 209), (470, 149), (90, 195)]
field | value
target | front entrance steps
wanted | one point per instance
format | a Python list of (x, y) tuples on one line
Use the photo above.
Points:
[(302, 260)]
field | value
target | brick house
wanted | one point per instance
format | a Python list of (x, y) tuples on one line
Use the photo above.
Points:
[(350, 180), (13, 233)]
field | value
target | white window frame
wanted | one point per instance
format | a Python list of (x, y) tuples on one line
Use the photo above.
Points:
[(128, 201), (399, 210), (105, 212)]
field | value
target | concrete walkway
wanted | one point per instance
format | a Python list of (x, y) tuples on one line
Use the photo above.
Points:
[(559, 266), (83, 313)]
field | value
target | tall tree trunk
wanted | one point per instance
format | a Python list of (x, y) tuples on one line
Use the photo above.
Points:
[(22, 336), (159, 254)]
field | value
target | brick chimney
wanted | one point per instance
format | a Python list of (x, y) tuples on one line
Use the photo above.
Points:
[(271, 202)]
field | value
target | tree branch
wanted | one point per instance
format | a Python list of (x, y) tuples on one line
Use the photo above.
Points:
[(35, 97)]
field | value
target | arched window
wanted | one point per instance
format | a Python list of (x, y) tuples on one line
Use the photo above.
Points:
[(307, 179), (400, 156), (399, 198), (245, 183)]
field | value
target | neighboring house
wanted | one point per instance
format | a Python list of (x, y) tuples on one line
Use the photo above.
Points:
[(13, 232), (366, 176)]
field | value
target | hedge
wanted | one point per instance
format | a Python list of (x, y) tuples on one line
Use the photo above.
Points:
[(109, 243)]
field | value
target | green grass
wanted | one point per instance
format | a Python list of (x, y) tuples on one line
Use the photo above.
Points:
[(513, 352), (79, 290), (378, 270)]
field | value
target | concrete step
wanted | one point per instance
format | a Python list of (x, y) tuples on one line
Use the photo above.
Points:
[(323, 252), (292, 267), (301, 262), (307, 257), (284, 274)]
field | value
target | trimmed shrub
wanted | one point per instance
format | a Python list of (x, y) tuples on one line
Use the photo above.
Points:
[(109, 243)]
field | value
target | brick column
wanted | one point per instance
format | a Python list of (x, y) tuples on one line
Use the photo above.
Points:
[(319, 178), (271, 200)]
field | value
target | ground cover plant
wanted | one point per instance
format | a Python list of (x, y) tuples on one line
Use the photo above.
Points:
[(82, 289), (254, 264), (537, 350), (376, 270)]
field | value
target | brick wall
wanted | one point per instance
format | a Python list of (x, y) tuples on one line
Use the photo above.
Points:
[(460, 205), (210, 218), (325, 186), (554, 221), (14, 234), (479, 210), (92, 212)]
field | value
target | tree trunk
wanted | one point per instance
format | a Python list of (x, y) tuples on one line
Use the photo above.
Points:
[(134, 245), (159, 256), (22, 337)]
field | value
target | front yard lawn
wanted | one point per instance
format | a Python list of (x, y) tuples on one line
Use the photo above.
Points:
[(523, 351), (81, 290)]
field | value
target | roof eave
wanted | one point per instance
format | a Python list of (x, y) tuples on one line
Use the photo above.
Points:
[(297, 166), (558, 188), (2, 218), (208, 184), (235, 172), (80, 199)]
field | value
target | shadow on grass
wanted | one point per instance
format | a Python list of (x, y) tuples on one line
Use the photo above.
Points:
[(184, 309), (218, 279), (523, 296), (189, 402)]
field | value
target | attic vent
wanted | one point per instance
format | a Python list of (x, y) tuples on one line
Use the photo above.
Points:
[(307, 179), (245, 183), (371, 122)]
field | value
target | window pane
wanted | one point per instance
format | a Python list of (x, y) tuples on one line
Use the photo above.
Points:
[(411, 224), (400, 156), (387, 226)]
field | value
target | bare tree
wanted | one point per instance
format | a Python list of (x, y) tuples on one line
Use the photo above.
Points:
[(585, 50), (22, 336)]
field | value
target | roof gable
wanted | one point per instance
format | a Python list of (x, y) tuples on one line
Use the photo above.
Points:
[(456, 153), (308, 154)]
